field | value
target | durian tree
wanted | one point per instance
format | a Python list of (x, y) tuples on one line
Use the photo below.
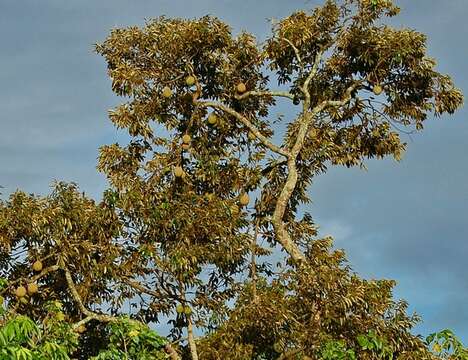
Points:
[(212, 185)]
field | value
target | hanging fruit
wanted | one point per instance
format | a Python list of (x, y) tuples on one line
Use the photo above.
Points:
[(20, 292), (241, 88), (37, 266), (377, 89), (167, 92), (178, 171), (244, 199), (212, 119), (32, 288), (190, 80)]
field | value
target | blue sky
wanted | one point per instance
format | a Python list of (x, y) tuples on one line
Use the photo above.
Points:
[(406, 221)]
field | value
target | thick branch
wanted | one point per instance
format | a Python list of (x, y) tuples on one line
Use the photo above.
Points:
[(253, 264), (191, 339), (305, 86), (171, 352), (282, 233), (79, 302), (286, 192), (247, 123)]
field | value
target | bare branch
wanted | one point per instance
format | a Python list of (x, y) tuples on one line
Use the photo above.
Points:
[(190, 336), (296, 50), (90, 315), (171, 352), (284, 94), (138, 286), (253, 264), (281, 232), (313, 72), (79, 302), (270, 167), (82, 322), (44, 272), (347, 97), (247, 123), (191, 339)]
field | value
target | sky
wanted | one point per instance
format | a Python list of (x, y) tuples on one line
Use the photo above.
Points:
[(405, 221)]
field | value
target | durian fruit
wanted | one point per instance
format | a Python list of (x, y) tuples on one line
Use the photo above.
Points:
[(241, 88), (37, 266), (167, 92), (190, 80), (377, 89), (244, 199), (32, 288), (212, 119), (20, 292), (80, 329), (178, 171), (186, 139), (187, 310)]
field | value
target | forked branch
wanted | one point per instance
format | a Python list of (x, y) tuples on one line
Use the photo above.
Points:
[(91, 315)]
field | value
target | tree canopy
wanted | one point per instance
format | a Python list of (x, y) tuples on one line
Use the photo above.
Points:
[(212, 184)]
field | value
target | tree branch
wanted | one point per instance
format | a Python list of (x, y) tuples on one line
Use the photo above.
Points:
[(348, 96), (79, 302), (90, 315), (253, 264), (285, 94), (191, 339), (282, 234), (305, 87), (247, 123), (171, 352), (296, 50)]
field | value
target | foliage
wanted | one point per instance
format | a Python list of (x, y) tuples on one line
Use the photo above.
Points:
[(336, 350), (446, 345), (22, 338), (375, 344), (132, 340), (209, 186)]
